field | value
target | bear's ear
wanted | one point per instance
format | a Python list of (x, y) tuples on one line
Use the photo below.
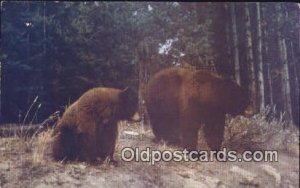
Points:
[(124, 94), (128, 94), (125, 89)]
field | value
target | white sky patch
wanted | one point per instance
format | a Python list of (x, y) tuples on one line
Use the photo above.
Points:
[(166, 47), (150, 8), (135, 13), (175, 4), (28, 24)]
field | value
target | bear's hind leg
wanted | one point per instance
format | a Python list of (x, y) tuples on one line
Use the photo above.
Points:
[(189, 138), (65, 144), (214, 131), (189, 127)]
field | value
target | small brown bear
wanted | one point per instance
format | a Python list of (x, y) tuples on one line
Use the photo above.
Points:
[(88, 129), (180, 100)]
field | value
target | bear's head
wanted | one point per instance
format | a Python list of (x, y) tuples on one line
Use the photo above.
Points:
[(128, 103)]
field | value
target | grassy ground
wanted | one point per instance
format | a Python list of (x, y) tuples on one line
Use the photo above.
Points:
[(27, 162)]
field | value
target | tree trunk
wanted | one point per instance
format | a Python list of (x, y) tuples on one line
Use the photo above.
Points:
[(261, 90), (228, 54), (0, 91), (267, 61), (294, 66), (269, 81), (28, 35), (298, 30), (296, 84), (44, 28), (142, 58), (250, 61), (285, 77), (1, 65), (235, 44), (286, 81)]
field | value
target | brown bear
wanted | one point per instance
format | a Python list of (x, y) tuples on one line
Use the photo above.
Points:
[(88, 128), (178, 101)]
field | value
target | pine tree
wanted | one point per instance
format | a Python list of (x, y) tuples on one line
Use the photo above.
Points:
[(261, 90), (235, 44), (250, 60)]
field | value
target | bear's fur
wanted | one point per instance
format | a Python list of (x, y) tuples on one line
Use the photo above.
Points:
[(88, 128), (178, 101)]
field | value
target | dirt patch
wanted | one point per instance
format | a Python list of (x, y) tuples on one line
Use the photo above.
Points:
[(27, 163)]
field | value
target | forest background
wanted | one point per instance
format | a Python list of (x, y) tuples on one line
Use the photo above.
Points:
[(52, 51)]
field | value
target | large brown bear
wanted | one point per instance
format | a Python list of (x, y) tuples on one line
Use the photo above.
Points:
[(180, 100), (88, 128)]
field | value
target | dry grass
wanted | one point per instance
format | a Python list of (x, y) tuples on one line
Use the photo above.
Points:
[(41, 146), (241, 134), (257, 133)]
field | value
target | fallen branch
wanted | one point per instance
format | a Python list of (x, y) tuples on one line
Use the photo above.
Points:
[(30, 130)]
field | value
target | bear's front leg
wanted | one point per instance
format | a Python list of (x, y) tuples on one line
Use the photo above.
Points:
[(106, 141), (88, 150)]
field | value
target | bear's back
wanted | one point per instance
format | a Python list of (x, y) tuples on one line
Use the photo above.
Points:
[(162, 90), (99, 95)]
